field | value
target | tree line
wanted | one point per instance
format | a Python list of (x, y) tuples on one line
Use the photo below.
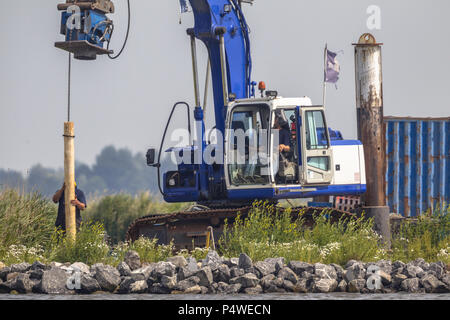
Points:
[(114, 171)]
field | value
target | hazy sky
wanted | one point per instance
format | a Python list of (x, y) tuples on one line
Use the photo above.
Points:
[(126, 102)]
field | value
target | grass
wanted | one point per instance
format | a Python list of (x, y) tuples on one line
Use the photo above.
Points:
[(27, 234), (267, 232), (428, 237), (117, 212), (26, 224)]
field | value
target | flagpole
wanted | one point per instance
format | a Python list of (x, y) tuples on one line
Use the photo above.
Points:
[(325, 74)]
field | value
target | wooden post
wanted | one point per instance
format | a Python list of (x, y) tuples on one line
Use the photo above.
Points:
[(69, 179)]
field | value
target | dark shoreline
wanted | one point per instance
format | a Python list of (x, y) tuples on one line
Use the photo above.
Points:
[(215, 275)]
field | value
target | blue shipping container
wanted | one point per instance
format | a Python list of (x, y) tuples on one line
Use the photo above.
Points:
[(417, 164)]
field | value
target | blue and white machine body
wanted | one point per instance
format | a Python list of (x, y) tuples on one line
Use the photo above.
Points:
[(318, 165), (317, 162)]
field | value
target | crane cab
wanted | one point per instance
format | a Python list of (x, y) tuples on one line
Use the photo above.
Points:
[(281, 148)]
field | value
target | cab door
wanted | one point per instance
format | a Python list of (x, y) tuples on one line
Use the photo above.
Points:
[(316, 157)]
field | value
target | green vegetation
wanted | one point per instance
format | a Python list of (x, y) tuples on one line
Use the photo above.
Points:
[(428, 237), (27, 234), (25, 219), (267, 232), (117, 212)]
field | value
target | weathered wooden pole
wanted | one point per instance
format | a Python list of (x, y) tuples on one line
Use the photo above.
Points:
[(369, 104), (69, 179)]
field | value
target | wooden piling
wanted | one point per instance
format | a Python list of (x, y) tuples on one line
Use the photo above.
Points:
[(69, 179)]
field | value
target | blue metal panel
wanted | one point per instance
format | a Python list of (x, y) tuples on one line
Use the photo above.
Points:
[(417, 164)]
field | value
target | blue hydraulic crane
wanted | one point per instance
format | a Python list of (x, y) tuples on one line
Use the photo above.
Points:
[(313, 160)]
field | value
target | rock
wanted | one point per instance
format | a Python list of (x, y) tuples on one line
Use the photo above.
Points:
[(254, 271), (247, 280), (22, 283), (438, 269), (307, 275), (88, 284), (213, 260), (350, 263), (221, 287), (412, 271), (254, 290), (354, 272), (410, 285), (386, 278), (245, 261), (385, 265), (287, 274), (324, 271), (169, 282), (142, 273), (4, 272), (421, 263), (183, 285), (80, 266), (233, 288), (54, 281), (302, 286), (2, 265), (299, 267), (232, 262), (36, 274), (236, 272), (356, 285), (222, 274), (178, 261), (264, 268), (189, 270), (398, 265), (157, 288), (132, 259), (125, 285), (325, 285), (205, 275), (37, 265), (397, 280), (138, 287), (288, 286), (342, 286), (55, 265), (124, 269), (340, 272), (267, 278), (276, 286), (193, 290), (20, 267), (163, 269), (433, 285), (12, 276), (278, 263), (5, 287), (107, 277), (446, 279)]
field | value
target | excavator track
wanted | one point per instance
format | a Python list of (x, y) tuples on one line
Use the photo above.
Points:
[(188, 229)]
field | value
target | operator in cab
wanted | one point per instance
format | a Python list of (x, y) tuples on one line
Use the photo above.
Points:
[(284, 133), (286, 169)]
